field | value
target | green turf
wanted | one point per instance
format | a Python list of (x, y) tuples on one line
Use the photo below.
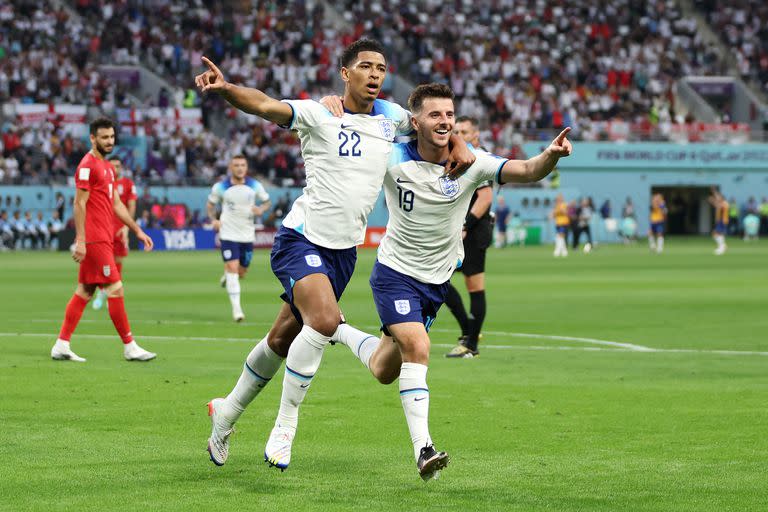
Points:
[(533, 424)]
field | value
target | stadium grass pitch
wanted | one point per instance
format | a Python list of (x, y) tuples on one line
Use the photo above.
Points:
[(618, 380)]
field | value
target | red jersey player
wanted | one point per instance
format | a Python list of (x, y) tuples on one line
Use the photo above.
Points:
[(95, 207), (124, 188)]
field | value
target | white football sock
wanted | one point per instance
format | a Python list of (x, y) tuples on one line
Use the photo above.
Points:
[(302, 362), (260, 366), (414, 395), (362, 344), (660, 244), (651, 243), (233, 289)]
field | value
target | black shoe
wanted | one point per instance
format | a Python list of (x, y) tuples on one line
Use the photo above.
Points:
[(431, 462)]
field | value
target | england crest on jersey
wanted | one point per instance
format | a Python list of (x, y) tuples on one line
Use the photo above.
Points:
[(107, 270), (403, 307), (449, 187), (387, 129)]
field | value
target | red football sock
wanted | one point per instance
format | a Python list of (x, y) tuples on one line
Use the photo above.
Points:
[(116, 307), (119, 268), (72, 315)]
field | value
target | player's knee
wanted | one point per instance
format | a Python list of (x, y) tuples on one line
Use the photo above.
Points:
[(325, 324), (386, 375), (114, 290), (279, 344)]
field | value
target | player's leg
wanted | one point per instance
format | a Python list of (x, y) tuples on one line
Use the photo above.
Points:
[(261, 364), (413, 341), (651, 239), (61, 350), (314, 297), (313, 279), (456, 306), (377, 353), (116, 307), (660, 238), (230, 253), (477, 308)]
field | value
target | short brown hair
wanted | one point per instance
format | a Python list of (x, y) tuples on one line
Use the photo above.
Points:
[(468, 119), (424, 91)]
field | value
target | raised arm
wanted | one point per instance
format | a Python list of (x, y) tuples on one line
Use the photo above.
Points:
[(249, 100), (536, 168)]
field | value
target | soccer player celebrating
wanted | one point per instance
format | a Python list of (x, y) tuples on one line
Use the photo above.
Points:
[(237, 195), (420, 251), (126, 190), (658, 217), (477, 235), (562, 221), (717, 200), (314, 252), (95, 206)]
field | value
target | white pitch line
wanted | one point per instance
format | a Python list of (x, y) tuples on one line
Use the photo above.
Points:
[(441, 345), (592, 341)]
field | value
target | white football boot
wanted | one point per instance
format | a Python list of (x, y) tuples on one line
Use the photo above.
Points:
[(277, 453), (133, 352), (218, 443), (61, 351)]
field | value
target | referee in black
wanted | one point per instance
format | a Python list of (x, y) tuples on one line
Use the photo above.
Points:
[(478, 233)]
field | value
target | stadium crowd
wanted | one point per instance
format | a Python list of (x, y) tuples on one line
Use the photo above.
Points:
[(550, 64)]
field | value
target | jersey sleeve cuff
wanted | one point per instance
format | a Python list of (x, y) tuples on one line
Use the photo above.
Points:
[(498, 173), (289, 125)]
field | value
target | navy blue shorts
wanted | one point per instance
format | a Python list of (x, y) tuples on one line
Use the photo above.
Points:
[(657, 228), (294, 257), (400, 298), (721, 228), (563, 230), (242, 251)]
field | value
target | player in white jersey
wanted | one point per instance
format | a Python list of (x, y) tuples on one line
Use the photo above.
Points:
[(421, 249), (314, 252), (237, 195)]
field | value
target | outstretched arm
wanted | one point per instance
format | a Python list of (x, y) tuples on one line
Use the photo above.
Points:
[(249, 100), (536, 168)]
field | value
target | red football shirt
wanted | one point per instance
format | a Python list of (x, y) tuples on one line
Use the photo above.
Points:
[(98, 177), (127, 192)]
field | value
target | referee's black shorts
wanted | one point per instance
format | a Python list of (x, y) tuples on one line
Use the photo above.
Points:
[(475, 245)]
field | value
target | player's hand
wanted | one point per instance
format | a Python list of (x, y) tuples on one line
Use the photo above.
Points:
[(561, 146), (334, 105), (257, 210), (146, 240), (124, 235), (463, 233), (210, 80), (459, 160), (79, 254), (216, 224)]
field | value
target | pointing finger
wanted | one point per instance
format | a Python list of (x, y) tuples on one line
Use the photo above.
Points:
[(211, 65), (561, 137)]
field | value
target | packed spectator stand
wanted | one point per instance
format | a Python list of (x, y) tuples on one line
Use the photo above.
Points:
[(606, 69)]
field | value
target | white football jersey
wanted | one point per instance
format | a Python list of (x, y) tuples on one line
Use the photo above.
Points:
[(427, 212), (237, 201), (345, 160)]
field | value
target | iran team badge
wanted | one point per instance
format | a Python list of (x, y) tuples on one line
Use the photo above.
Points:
[(403, 307)]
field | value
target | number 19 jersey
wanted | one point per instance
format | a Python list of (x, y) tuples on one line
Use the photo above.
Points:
[(427, 211), (345, 160)]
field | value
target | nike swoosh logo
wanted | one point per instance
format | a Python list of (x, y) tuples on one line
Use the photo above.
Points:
[(345, 126), (402, 181), (303, 386), (419, 399)]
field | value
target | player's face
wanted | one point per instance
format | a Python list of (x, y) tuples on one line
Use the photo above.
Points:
[(239, 168), (366, 76), (118, 167), (104, 140), (468, 132), (435, 121)]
